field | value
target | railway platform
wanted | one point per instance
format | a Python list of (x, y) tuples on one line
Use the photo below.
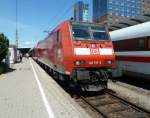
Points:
[(133, 94), (26, 91)]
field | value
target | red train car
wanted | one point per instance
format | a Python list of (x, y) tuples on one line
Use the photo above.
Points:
[(78, 53)]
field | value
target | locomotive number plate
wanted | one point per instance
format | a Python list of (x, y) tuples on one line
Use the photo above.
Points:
[(94, 51)]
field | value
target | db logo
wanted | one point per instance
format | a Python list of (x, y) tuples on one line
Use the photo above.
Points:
[(94, 51)]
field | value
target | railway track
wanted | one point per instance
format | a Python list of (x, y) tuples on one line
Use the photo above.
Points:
[(109, 105)]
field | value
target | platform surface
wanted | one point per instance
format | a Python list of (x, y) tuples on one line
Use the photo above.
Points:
[(28, 92), (134, 94)]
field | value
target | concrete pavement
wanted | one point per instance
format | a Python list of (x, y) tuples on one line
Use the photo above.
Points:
[(28, 92)]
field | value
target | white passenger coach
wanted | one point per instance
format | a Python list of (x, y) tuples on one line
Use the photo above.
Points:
[(132, 49)]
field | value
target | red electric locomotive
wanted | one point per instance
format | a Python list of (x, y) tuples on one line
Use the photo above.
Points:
[(78, 53)]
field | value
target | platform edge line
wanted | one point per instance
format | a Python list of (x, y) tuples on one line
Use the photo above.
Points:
[(49, 110)]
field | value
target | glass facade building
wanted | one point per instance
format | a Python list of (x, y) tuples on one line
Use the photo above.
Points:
[(116, 8), (146, 7), (81, 11)]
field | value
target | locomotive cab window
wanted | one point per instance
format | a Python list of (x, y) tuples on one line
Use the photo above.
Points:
[(100, 35), (87, 31), (80, 33)]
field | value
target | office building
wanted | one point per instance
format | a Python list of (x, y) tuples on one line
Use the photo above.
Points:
[(112, 11), (145, 7), (81, 11)]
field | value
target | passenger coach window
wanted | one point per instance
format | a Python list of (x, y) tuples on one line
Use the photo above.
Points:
[(58, 36), (81, 34), (149, 43), (141, 44), (100, 35)]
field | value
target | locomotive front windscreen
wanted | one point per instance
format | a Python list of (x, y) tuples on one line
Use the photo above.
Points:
[(85, 31)]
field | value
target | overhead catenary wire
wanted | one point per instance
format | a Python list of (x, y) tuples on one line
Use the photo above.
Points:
[(57, 14), (62, 15)]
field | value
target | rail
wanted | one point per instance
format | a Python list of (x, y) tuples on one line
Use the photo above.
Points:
[(109, 105)]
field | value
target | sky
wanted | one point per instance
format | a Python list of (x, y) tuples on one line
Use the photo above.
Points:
[(34, 17)]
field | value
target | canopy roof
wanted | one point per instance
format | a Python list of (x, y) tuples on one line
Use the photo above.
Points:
[(130, 22)]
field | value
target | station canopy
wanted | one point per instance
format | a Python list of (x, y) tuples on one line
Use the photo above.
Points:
[(130, 22)]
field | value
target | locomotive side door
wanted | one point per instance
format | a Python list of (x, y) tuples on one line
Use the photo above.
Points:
[(57, 47)]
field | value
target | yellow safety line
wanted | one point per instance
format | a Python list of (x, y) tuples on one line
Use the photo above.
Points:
[(2, 77)]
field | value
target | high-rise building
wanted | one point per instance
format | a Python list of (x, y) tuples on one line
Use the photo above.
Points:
[(81, 11), (112, 11), (145, 7)]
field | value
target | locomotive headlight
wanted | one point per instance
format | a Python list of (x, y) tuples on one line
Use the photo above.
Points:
[(77, 63), (108, 62), (93, 45), (80, 62)]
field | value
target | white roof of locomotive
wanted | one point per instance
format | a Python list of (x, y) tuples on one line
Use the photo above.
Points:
[(139, 30)]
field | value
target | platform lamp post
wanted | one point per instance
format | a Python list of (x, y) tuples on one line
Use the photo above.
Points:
[(17, 23)]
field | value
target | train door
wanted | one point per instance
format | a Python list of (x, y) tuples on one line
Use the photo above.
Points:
[(56, 46), (50, 45), (59, 47)]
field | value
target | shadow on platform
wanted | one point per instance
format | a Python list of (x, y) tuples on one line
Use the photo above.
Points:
[(5, 69), (9, 70), (136, 81)]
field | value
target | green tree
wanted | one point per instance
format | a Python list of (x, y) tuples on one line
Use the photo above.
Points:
[(4, 44)]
